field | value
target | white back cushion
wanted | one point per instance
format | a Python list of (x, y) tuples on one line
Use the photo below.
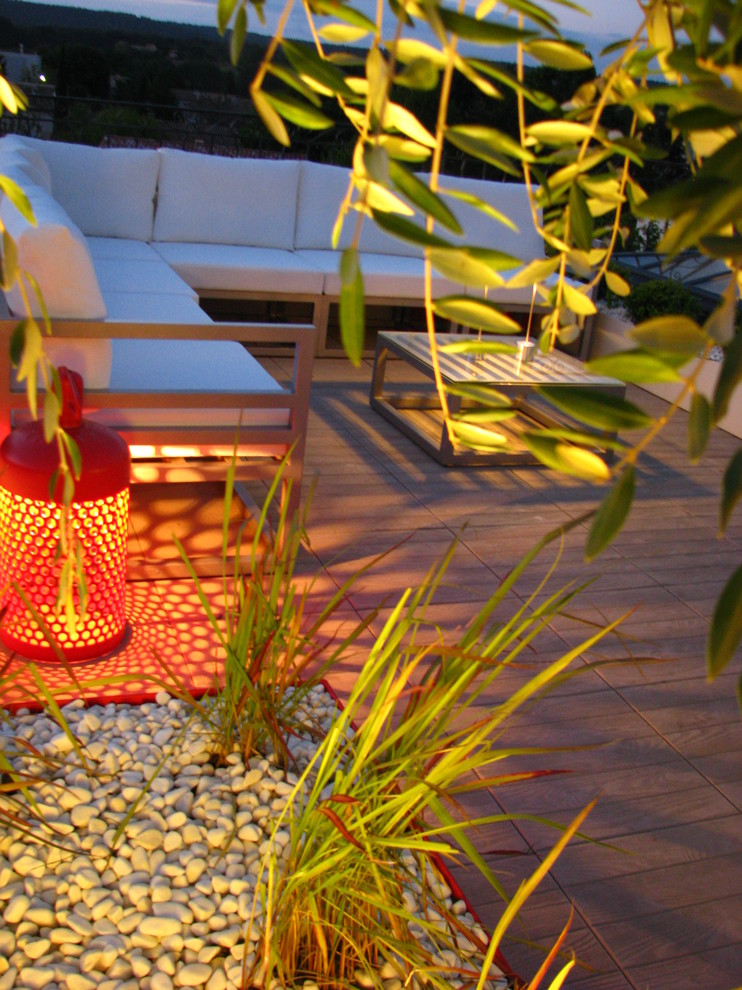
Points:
[(209, 199), (321, 191), (108, 192), (55, 253), (15, 149), (481, 230)]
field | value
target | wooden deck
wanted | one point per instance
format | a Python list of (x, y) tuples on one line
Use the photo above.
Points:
[(658, 898), (658, 904)]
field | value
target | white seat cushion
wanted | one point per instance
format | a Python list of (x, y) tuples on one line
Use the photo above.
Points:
[(90, 357), (119, 275), (209, 199), (153, 307), (145, 365), (108, 192), (384, 275), (214, 267), (120, 249)]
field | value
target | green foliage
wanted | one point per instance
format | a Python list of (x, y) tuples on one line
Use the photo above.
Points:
[(376, 807), (662, 296), (274, 647), (674, 87)]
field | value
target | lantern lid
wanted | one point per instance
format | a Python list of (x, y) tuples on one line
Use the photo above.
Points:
[(28, 462)]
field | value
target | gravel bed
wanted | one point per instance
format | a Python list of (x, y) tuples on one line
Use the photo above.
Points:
[(172, 905)]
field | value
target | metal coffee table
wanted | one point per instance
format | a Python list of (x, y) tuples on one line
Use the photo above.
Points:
[(418, 414)]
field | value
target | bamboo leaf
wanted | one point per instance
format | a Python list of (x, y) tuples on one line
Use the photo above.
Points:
[(597, 409), (74, 454), (726, 626), (290, 78), (317, 72), (472, 345), (18, 198), (578, 302), (728, 247), (487, 143), (673, 334), (237, 38), (558, 54), (270, 118), (352, 316), (466, 265), (7, 96), (344, 12), (52, 409), (534, 271), (559, 132), (343, 34), (406, 230), (419, 193), (402, 149), (699, 426), (611, 514), (483, 32), (297, 112), (476, 313), (481, 205), (224, 11), (419, 75), (617, 284), (17, 340), (397, 118), (9, 270), (731, 490), (478, 437), (567, 459), (637, 366), (412, 50), (729, 377), (580, 220)]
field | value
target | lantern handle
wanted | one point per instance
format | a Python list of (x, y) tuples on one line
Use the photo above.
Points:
[(72, 396)]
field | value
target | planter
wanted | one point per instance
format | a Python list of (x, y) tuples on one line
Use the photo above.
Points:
[(172, 903)]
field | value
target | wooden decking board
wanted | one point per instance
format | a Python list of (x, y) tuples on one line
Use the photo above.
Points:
[(670, 772)]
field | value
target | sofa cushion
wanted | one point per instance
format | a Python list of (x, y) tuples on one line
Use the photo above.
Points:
[(482, 230), (153, 307), (124, 275), (231, 267), (384, 276), (19, 150), (108, 192), (188, 365), (54, 252), (120, 249), (322, 189), (90, 357), (209, 199)]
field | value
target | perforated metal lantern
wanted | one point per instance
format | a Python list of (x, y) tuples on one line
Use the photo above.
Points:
[(29, 535)]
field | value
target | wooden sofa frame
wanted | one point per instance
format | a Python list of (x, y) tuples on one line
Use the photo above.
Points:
[(262, 449)]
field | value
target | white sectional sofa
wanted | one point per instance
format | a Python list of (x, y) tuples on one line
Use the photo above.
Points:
[(136, 243), (156, 367), (168, 229)]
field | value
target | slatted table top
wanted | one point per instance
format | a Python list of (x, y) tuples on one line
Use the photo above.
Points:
[(494, 368)]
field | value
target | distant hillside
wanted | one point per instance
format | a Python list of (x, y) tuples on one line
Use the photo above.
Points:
[(26, 14)]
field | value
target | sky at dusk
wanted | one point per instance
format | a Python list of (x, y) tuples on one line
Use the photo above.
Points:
[(608, 18)]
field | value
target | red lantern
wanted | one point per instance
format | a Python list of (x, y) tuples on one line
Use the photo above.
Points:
[(29, 535)]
